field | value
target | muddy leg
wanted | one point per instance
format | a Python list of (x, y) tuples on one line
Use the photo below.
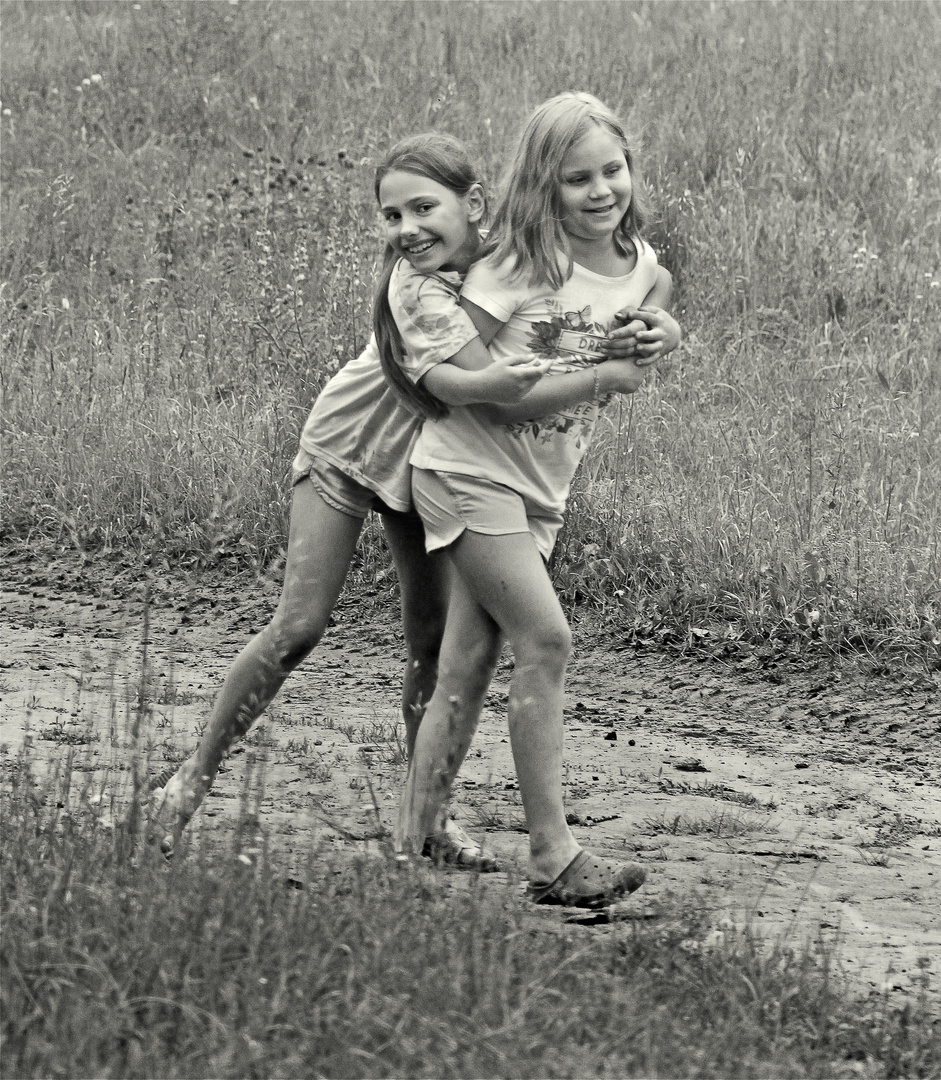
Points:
[(423, 581), (320, 547), (507, 578), (469, 657)]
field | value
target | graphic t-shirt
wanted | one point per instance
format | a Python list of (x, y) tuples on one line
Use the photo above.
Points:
[(537, 458), (358, 423)]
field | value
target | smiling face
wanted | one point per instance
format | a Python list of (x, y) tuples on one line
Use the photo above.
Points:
[(595, 188), (429, 224)]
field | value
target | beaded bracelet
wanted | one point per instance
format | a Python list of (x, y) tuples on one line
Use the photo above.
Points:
[(596, 387)]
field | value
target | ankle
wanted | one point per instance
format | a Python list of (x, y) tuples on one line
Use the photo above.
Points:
[(546, 861)]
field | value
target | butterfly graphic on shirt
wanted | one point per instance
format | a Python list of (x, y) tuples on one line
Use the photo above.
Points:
[(567, 334), (574, 339)]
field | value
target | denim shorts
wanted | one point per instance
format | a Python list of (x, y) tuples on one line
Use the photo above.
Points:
[(337, 489), (450, 503)]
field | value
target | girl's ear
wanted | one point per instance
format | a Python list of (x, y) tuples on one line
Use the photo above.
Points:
[(476, 203)]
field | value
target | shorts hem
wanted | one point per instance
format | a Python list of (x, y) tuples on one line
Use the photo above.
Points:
[(444, 540)]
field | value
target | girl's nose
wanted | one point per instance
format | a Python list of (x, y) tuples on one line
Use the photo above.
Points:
[(409, 226), (600, 189)]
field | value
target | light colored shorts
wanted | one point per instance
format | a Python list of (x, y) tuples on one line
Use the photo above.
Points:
[(337, 489), (450, 503)]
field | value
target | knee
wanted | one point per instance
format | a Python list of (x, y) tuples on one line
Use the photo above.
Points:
[(547, 648), (291, 640)]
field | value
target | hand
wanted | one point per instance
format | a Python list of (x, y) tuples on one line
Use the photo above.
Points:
[(620, 376), (510, 379), (648, 334)]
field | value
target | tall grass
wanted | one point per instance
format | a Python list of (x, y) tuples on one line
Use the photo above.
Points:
[(220, 966), (189, 242)]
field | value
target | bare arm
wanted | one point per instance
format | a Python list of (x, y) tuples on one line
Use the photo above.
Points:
[(661, 295), (473, 377), (561, 391)]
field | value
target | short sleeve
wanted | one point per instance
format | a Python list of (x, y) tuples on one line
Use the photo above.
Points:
[(429, 317), (496, 288)]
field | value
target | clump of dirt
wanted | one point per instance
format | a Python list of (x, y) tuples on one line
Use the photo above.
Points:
[(798, 801)]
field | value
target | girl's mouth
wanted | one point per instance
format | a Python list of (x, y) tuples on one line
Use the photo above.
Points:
[(418, 249), (599, 209)]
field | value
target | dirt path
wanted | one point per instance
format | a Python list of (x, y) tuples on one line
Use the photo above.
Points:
[(805, 803)]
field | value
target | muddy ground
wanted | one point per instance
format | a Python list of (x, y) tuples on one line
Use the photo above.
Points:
[(799, 799)]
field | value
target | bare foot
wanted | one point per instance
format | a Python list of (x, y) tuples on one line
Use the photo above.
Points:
[(172, 806)]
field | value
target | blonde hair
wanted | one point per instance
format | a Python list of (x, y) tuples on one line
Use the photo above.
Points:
[(445, 160), (527, 227)]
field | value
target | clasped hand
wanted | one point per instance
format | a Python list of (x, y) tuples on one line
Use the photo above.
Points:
[(647, 335)]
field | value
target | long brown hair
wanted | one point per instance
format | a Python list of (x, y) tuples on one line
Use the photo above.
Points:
[(443, 159), (527, 227)]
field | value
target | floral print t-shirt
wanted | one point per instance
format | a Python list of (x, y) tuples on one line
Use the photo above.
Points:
[(358, 422), (538, 457)]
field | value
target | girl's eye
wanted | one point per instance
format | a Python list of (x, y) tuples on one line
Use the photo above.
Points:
[(426, 208)]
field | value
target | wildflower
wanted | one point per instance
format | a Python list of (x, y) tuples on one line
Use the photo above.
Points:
[(86, 82), (96, 79), (65, 303)]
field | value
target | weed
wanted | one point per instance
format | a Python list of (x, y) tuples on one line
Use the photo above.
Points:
[(297, 746), (259, 737), (900, 829), (497, 818), (170, 752), (873, 858), (173, 695), (721, 824), (318, 772), (715, 791), (58, 733), (378, 741)]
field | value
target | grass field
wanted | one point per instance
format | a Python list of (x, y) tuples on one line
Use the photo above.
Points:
[(220, 966), (189, 242)]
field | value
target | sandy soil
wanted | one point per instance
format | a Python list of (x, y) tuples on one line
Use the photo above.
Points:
[(802, 801)]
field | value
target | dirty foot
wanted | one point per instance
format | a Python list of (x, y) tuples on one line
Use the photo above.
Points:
[(451, 846), (172, 805)]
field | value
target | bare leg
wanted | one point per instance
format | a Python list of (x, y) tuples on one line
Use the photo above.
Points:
[(423, 579), (320, 548), (504, 577)]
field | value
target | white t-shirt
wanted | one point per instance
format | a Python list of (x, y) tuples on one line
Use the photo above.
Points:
[(536, 458), (358, 423)]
